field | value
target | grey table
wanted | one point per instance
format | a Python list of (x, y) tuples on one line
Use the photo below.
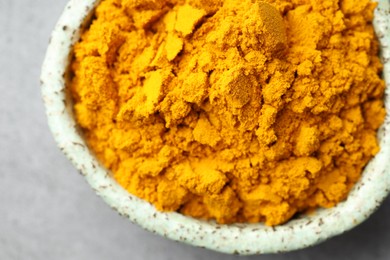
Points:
[(47, 211)]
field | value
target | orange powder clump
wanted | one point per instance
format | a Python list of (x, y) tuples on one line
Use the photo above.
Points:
[(238, 111)]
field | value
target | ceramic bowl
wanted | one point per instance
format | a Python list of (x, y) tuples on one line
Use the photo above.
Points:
[(244, 239)]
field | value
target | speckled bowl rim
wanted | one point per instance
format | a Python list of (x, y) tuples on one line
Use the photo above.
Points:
[(245, 239)]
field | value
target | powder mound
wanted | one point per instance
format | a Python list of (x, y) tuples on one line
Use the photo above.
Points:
[(238, 111)]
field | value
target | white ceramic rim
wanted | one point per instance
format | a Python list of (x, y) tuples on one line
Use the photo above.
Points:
[(246, 239)]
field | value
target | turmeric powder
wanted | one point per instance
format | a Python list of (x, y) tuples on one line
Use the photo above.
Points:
[(238, 111)]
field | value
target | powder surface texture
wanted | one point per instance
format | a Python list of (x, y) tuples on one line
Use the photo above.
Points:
[(238, 111)]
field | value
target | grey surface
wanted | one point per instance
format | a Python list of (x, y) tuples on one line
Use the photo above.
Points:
[(47, 211)]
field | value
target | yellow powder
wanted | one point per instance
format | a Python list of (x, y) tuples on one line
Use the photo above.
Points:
[(239, 111)]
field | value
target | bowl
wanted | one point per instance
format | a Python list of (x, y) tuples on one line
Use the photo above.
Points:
[(245, 239)]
